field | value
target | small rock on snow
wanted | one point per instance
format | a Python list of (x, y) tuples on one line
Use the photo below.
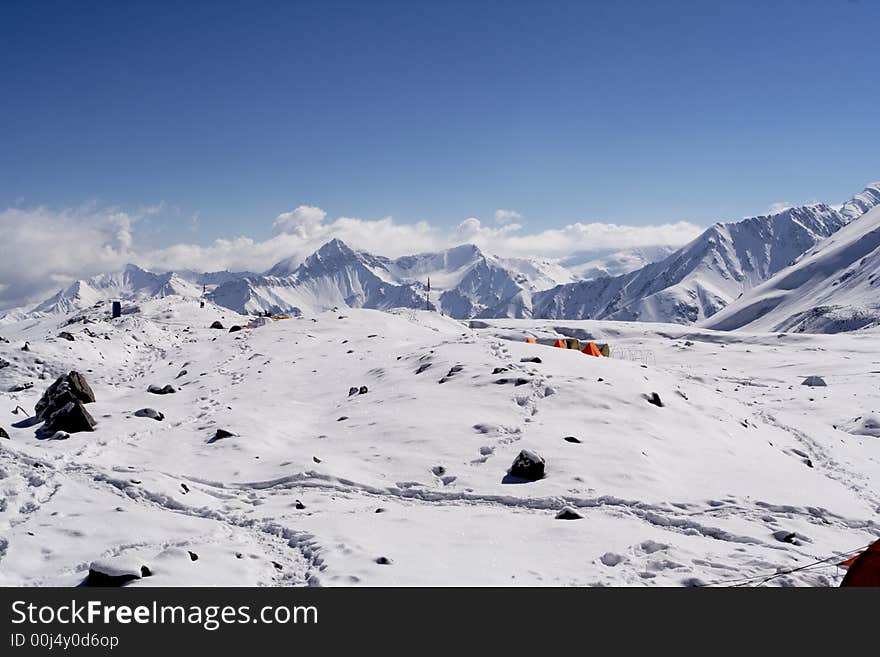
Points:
[(568, 513), (220, 435), (528, 465), (654, 398), (151, 413), (164, 390)]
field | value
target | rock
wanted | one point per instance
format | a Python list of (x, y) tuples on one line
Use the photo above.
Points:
[(192, 555), (499, 370), (216, 325), (117, 572), (814, 382), (21, 387), (520, 382), (3, 433), (363, 390), (568, 513), (59, 435), (423, 367), (654, 398), (383, 561), (528, 465), (352, 391), (316, 459), (379, 510), (530, 359), (70, 387), (151, 413), (572, 439), (181, 373), (299, 505), (235, 329), (71, 418), (64, 335), (220, 435), (4, 363), (784, 536), (26, 347), (164, 390)]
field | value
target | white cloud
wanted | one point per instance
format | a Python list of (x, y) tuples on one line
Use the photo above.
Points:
[(504, 216), (43, 249), (302, 221), (48, 250), (776, 208)]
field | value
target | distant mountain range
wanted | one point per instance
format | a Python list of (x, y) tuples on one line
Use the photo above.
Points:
[(722, 279)]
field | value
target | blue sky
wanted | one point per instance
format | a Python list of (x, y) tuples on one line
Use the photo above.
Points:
[(620, 112)]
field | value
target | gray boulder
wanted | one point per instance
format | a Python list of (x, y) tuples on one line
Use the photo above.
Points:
[(151, 413), (528, 465), (71, 418), (162, 390), (72, 387)]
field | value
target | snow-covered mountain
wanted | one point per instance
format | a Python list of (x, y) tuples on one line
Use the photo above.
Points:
[(833, 287), (685, 286), (703, 277), (861, 203), (132, 283), (465, 282), (598, 264)]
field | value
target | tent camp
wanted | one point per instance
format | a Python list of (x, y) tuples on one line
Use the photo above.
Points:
[(814, 381), (592, 350), (864, 569), (573, 343), (559, 343)]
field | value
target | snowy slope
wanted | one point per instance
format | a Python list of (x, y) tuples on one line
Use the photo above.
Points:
[(742, 471), (702, 277), (834, 287), (862, 202)]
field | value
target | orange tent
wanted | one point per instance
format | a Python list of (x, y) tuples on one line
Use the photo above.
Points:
[(865, 568), (532, 340), (560, 343), (591, 350)]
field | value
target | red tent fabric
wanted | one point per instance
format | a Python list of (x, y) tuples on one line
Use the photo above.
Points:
[(865, 569), (559, 343), (592, 350)]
